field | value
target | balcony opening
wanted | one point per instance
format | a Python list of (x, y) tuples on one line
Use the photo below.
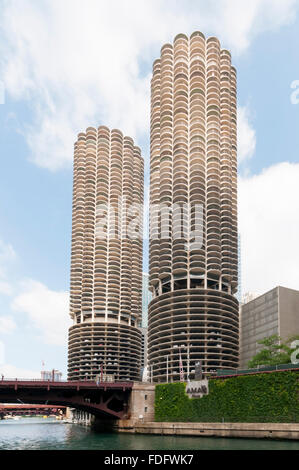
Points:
[(197, 283), (180, 285), (166, 288)]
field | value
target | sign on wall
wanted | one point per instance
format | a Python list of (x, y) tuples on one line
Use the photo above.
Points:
[(197, 389)]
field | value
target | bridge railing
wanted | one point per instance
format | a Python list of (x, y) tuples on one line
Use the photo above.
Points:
[(14, 379), (18, 379)]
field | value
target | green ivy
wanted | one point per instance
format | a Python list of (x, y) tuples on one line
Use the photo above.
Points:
[(261, 398)]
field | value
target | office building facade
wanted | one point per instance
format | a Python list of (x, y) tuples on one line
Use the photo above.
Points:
[(106, 260), (194, 313), (273, 313), (52, 375)]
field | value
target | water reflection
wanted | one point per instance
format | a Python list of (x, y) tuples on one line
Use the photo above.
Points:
[(39, 434)]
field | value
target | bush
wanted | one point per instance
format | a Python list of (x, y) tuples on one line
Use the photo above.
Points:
[(261, 398)]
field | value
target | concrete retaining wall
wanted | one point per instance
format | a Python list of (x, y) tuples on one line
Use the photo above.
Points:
[(239, 430)]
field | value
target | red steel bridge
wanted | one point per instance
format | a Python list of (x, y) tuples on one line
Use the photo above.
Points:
[(31, 410), (106, 400)]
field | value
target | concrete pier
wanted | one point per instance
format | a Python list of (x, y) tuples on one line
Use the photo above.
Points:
[(79, 417), (142, 402)]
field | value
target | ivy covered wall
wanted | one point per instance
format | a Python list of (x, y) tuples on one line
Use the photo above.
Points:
[(261, 398)]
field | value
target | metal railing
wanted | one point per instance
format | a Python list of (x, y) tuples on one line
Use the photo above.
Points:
[(281, 367), (18, 379)]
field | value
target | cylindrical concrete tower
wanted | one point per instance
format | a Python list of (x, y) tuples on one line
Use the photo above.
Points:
[(106, 261), (194, 315)]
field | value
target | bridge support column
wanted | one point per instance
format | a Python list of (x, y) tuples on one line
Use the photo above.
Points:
[(80, 417)]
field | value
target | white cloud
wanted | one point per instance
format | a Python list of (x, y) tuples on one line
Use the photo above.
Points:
[(2, 353), (5, 288), (7, 256), (88, 63), (7, 324), (239, 22), (47, 310), (246, 135), (269, 226), (10, 372)]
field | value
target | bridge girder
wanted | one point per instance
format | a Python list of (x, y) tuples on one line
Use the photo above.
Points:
[(105, 400)]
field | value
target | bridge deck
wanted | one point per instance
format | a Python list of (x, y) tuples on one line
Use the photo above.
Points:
[(106, 398), (86, 385)]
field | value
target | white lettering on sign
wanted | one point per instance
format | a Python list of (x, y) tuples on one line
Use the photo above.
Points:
[(197, 389)]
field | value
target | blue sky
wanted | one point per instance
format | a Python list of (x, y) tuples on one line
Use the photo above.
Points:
[(67, 65)]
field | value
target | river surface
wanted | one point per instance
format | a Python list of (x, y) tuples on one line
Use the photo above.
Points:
[(48, 434)]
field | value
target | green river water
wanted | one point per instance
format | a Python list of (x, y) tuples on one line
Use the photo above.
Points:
[(48, 434)]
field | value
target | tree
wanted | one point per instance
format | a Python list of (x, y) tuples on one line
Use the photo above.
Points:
[(275, 352)]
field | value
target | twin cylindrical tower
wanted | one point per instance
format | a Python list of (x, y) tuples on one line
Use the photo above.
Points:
[(194, 315), (106, 260)]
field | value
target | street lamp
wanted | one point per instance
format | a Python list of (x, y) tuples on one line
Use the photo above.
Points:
[(188, 362), (167, 370), (180, 362), (182, 346)]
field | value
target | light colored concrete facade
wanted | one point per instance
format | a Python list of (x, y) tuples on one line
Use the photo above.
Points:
[(144, 332), (193, 164), (146, 299), (274, 313), (142, 402), (237, 430), (106, 262)]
